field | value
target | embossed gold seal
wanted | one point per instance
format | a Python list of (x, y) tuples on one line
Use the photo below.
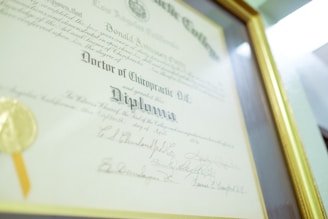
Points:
[(18, 127)]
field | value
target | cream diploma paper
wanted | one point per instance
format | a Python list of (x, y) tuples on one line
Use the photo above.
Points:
[(136, 110)]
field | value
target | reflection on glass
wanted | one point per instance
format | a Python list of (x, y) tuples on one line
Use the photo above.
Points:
[(244, 50)]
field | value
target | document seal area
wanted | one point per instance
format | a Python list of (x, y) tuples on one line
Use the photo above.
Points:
[(18, 127)]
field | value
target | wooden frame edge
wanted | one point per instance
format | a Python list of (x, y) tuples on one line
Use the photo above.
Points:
[(304, 186)]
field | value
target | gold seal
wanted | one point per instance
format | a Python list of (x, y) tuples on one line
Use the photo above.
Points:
[(18, 127)]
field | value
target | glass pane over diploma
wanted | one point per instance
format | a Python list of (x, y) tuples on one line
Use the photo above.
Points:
[(270, 164), (137, 112)]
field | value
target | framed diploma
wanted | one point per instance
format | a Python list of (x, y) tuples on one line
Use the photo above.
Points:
[(145, 109)]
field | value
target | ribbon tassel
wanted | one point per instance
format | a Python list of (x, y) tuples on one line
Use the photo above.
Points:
[(22, 173)]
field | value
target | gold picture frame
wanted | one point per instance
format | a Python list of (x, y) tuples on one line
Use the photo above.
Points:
[(304, 185)]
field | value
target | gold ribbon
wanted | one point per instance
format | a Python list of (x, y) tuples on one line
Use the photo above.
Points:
[(22, 173)]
